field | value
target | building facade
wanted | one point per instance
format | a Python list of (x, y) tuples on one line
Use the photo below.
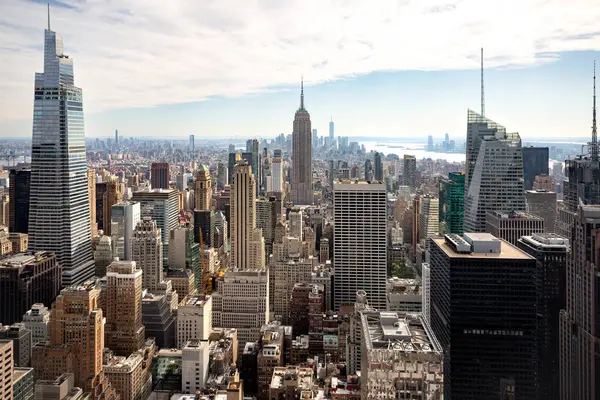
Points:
[(124, 218), (18, 194), (452, 203), (511, 225), (160, 175), (302, 190)]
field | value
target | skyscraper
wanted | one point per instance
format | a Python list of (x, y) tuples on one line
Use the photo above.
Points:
[(59, 211), (203, 189), (146, 251), (124, 218), (378, 167), (192, 142), (535, 162), (359, 244), (116, 139), (331, 130), (107, 194), (245, 250), (91, 180), (18, 193), (410, 171), (254, 161), (277, 177), (159, 175), (452, 203), (302, 190)]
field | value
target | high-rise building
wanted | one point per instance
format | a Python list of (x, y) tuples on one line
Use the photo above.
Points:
[(203, 189), (21, 338), (409, 174), (76, 341), (116, 139), (124, 218), (23, 383), (283, 275), (91, 181), (550, 252), (579, 336), (158, 319), (26, 279), (494, 176), (511, 225), (194, 365), (543, 182), (429, 217), (146, 251), (452, 203), (302, 190), (4, 210), (37, 320), (6, 370), (396, 336), (194, 319), (18, 193), (277, 177), (103, 255), (542, 204), (232, 160), (254, 159), (162, 206), (245, 250), (266, 218), (360, 255), (378, 167), (192, 142), (108, 194), (58, 389), (160, 175), (535, 162), (124, 332), (242, 301), (59, 212), (488, 332), (131, 376), (222, 176), (331, 130)]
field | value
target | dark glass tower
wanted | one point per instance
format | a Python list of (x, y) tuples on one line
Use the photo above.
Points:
[(378, 167), (535, 162), (452, 203), (20, 181)]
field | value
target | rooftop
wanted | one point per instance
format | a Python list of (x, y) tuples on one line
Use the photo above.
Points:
[(507, 251), (513, 215), (546, 240), (295, 376)]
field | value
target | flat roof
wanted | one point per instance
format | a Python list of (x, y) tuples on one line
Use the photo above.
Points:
[(507, 250)]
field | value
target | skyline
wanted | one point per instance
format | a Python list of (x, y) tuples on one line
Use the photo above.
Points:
[(533, 74)]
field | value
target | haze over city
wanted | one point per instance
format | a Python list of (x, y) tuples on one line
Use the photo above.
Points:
[(388, 69)]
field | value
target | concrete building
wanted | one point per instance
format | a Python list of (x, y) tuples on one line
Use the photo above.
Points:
[(103, 255), (511, 225), (124, 218), (426, 292), (194, 365), (355, 334), (404, 295), (26, 279), (494, 171), (131, 376), (23, 383), (266, 218), (158, 319), (160, 175), (292, 382), (194, 319), (296, 223), (124, 331), (283, 275), (360, 255), (302, 190), (22, 342), (20, 242), (37, 320), (485, 325), (401, 357), (543, 182), (61, 388), (277, 177), (146, 252), (270, 356), (108, 193), (543, 204), (6, 369), (242, 302), (203, 189), (429, 217)]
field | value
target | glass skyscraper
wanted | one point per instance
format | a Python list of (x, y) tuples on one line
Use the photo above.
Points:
[(59, 216)]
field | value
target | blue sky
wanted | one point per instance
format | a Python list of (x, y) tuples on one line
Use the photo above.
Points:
[(397, 69)]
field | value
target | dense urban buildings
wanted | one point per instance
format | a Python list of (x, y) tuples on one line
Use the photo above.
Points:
[(360, 256), (483, 295), (302, 189), (59, 212)]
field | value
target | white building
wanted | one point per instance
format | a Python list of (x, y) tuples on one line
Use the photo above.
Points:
[(296, 223), (429, 222), (194, 319), (426, 292), (124, 218), (360, 242), (401, 358), (404, 295), (242, 302), (277, 175), (194, 366), (37, 320)]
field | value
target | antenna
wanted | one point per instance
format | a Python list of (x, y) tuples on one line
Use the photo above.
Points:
[(302, 92), (594, 132), (482, 92), (48, 16)]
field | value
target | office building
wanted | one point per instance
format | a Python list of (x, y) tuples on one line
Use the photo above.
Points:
[(511, 225), (535, 162), (277, 177), (579, 336), (146, 252), (222, 176), (124, 331), (160, 175), (4, 210), (26, 279), (232, 161), (391, 338), (494, 171), (242, 301), (61, 388), (192, 142), (162, 206), (360, 255), (59, 212), (204, 227), (103, 255), (409, 174), (543, 182), (429, 217), (452, 203), (331, 130), (76, 341), (302, 190), (550, 252), (283, 275), (21, 338), (404, 295), (6, 370), (20, 242), (131, 376), (23, 383), (247, 245), (108, 194), (158, 319), (194, 319), (37, 320), (203, 189), (18, 194), (266, 218), (426, 292), (378, 167), (91, 181), (489, 332), (124, 218), (194, 365), (542, 203), (270, 356)]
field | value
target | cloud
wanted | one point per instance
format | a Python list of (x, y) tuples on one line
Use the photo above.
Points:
[(142, 53)]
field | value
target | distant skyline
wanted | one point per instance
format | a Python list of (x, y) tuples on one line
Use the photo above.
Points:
[(390, 69)]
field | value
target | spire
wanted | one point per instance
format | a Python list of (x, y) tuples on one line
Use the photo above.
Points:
[(302, 92), (482, 93), (594, 131), (48, 16)]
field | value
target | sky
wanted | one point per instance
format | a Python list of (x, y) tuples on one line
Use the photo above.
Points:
[(232, 68)]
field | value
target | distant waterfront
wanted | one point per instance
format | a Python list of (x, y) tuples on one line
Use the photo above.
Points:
[(414, 149)]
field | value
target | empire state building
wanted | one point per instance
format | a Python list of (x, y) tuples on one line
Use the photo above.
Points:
[(302, 190)]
